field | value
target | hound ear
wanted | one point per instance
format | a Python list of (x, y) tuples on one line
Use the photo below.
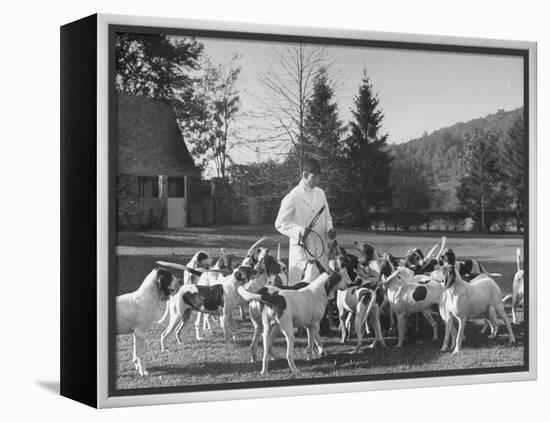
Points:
[(387, 269), (238, 275), (271, 266), (333, 280), (450, 256), (450, 276), (163, 278), (243, 273), (368, 250), (156, 269), (201, 256)]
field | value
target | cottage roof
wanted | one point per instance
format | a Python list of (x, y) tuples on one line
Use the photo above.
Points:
[(149, 142)]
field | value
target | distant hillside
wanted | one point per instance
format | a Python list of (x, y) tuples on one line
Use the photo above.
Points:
[(443, 149)]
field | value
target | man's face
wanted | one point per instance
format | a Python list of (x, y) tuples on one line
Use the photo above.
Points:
[(310, 179)]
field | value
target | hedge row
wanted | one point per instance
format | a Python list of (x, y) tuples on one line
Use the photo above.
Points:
[(496, 221)]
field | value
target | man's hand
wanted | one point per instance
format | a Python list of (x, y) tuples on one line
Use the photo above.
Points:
[(303, 236), (332, 234)]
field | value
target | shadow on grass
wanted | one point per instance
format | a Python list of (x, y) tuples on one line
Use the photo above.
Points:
[(328, 364), (369, 360), (231, 363)]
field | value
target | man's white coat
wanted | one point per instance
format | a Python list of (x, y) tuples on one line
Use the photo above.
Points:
[(297, 210)]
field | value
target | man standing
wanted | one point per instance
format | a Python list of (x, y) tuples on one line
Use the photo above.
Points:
[(299, 208)]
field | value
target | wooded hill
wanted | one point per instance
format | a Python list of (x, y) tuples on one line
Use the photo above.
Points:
[(442, 150)]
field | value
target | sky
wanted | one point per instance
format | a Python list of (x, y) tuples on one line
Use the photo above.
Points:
[(418, 91)]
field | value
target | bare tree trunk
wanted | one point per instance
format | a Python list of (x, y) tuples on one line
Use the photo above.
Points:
[(288, 83), (482, 209), (518, 217)]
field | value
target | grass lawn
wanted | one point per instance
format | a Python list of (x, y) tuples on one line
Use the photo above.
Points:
[(214, 362)]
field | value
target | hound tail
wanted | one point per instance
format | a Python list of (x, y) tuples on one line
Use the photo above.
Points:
[(506, 298), (179, 267), (255, 245), (248, 296), (273, 300), (484, 271), (443, 242), (369, 308), (165, 315), (430, 253), (518, 258), (260, 295)]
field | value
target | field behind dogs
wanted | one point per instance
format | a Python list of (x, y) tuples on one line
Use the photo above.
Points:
[(213, 361)]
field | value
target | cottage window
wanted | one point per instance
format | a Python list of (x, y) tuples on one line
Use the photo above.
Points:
[(148, 187), (176, 187)]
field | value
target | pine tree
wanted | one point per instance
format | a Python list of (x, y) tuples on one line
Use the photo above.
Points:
[(512, 167), (479, 187), (323, 133), (369, 161)]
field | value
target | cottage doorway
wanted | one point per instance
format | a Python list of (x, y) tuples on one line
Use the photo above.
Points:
[(176, 202)]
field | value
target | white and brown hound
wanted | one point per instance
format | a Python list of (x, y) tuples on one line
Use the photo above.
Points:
[(274, 269), (224, 266), (517, 295), (361, 300), (368, 266), (200, 261), (219, 299), (296, 308), (380, 267), (410, 294), (364, 304), (420, 264), (137, 311), (312, 271), (463, 301), (468, 269)]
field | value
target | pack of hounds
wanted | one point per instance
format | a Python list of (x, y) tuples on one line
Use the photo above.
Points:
[(361, 287)]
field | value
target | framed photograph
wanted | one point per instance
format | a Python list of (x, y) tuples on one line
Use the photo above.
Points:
[(254, 211)]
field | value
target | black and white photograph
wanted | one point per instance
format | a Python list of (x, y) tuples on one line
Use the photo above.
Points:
[(302, 210)]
